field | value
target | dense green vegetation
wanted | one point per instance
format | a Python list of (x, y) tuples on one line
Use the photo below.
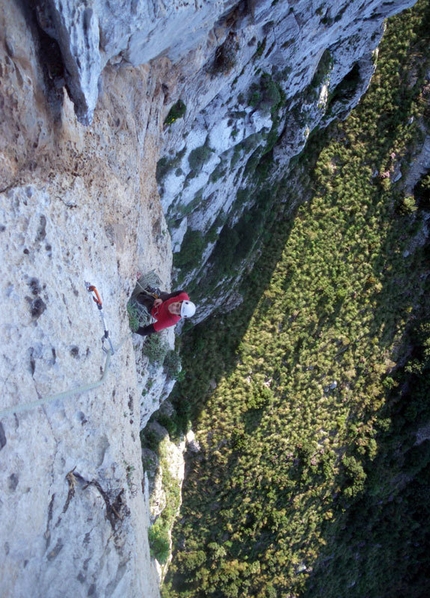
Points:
[(159, 532), (314, 470)]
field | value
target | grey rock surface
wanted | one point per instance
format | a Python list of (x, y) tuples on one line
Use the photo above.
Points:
[(76, 205)]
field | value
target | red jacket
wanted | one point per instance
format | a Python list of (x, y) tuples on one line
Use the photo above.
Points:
[(162, 314)]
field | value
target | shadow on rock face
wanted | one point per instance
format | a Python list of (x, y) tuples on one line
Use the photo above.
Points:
[(3, 440)]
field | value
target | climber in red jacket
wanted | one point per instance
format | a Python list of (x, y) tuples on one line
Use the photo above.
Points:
[(167, 309)]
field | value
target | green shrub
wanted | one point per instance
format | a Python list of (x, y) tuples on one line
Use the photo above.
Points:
[(199, 156), (272, 95), (407, 205), (166, 165), (155, 348), (355, 476), (172, 364), (149, 439), (261, 46), (168, 423), (159, 541), (324, 67), (133, 317), (218, 172), (176, 111), (192, 247), (266, 94), (254, 97)]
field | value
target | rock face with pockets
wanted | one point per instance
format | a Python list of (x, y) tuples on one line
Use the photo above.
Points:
[(77, 204), (94, 186)]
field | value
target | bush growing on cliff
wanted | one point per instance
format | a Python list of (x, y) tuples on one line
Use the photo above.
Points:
[(407, 205), (219, 172), (192, 248), (159, 541), (133, 317), (155, 348), (176, 111), (166, 165), (172, 364), (198, 157), (323, 70), (265, 94)]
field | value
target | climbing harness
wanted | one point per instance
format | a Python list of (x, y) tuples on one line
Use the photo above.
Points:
[(80, 389), (97, 300)]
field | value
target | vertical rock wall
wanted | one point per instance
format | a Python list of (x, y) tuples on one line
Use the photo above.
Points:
[(76, 204)]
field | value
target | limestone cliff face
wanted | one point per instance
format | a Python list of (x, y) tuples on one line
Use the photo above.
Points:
[(85, 89), (76, 204), (253, 78)]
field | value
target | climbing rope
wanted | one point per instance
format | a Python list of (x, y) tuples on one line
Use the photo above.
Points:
[(61, 395), (80, 389)]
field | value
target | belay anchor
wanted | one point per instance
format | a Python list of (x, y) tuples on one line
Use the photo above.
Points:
[(98, 301)]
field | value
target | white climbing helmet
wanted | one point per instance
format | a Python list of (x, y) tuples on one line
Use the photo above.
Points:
[(188, 309)]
